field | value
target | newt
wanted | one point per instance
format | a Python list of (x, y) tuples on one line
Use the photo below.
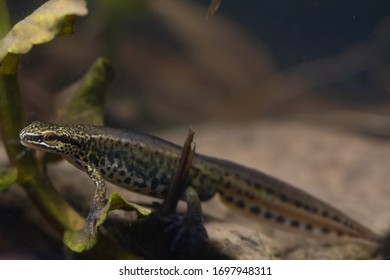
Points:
[(146, 164)]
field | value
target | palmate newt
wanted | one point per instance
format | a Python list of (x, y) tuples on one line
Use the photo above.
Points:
[(146, 164)]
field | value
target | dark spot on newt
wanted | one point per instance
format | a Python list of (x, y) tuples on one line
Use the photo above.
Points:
[(268, 215), (269, 191), (280, 219), (240, 203), (155, 183), (295, 223), (283, 198), (309, 227), (127, 180), (255, 210)]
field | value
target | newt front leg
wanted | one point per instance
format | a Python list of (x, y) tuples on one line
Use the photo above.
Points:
[(98, 202)]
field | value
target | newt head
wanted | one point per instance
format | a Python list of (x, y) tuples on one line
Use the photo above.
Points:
[(53, 138)]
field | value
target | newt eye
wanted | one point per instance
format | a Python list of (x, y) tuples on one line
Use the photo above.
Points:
[(50, 137)]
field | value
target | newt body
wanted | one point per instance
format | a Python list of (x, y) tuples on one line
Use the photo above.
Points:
[(147, 164)]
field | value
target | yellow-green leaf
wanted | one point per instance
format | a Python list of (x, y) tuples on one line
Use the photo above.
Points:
[(7, 177), (82, 240), (117, 202), (83, 102), (53, 18), (79, 241)]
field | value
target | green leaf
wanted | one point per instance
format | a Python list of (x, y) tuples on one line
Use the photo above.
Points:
[(55, 17), (83, 102), (82, 240), (117, 202), (7, 178), (79, 241)]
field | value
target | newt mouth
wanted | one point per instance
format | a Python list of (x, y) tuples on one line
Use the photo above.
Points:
[(28, 144), (34, 142), (32, 145)]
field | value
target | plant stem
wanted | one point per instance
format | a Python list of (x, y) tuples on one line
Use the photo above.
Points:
[(39, 188), (4, 19)]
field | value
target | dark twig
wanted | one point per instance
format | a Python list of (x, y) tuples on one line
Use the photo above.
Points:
[(180, 181)]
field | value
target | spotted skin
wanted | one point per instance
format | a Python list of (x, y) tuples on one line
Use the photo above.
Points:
[(146, 165)]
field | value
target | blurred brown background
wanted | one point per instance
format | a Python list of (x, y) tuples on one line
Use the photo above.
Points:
[(254, 59)]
